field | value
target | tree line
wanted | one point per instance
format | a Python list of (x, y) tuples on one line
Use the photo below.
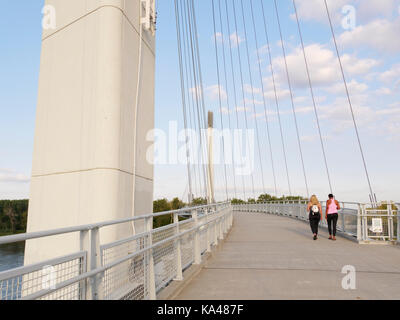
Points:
[(14, 213), (13, 216)]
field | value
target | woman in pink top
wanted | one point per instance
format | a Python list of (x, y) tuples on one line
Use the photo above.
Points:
[(331, 215)]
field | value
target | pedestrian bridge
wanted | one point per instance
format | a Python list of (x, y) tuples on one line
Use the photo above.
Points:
[(252, 251)]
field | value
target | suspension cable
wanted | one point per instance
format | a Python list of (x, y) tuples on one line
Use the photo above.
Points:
[(253, 97), (243, 94), (313, 98), (264, 100), (197, 89), (178, 35), (276, 95), (233, 82), (372, 195), (219, 97), (293, 108), (191, 98), (202, 103), (227, 95)]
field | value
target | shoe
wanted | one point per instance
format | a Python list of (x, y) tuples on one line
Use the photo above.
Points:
[(315, 238), (334, 238), (330, 238)]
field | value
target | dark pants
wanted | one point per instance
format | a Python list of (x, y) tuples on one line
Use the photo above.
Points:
[(332, 222), (314, 222)]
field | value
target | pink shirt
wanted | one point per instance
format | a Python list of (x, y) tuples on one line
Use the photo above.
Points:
[(332, 207)]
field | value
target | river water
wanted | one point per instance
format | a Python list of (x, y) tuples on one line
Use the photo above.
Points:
[(11, 255)]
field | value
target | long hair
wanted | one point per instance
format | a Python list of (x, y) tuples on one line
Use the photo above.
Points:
[(314, 200)]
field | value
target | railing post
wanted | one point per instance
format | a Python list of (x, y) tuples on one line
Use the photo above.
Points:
[(343, 219), (359, 235), (197, 253), (95, 262), (215, 227), (151, 271), (208, 234), (398, 222), (84, 246), (364, 223), (390, 220), (230, 217), (220, 224), (179, 275)]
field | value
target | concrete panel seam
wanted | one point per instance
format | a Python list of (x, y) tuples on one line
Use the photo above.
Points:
[(86, 170), (93, 11)]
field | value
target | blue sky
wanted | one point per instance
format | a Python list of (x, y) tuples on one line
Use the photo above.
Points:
[(370, 54)]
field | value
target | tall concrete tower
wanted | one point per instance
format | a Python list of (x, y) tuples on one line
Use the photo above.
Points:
[(89, 161)]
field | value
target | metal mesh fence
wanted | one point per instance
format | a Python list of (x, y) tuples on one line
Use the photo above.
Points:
[(134, 268), (164, 256), (187, 243), (127, 279), (25, 281)]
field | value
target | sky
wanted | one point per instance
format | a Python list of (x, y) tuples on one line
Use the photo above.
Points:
[(367, 35)]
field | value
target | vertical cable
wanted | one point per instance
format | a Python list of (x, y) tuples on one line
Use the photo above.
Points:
[(293, 107), (372, 195), (195, 76), (275, 93), (192, 116), (227, 96), (242, 82), (233, 82), (253, 97), (264, 100), (178, 38), (313, 98), (219, 96)]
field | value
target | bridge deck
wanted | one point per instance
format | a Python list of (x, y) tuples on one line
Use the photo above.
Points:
[(274, 257)]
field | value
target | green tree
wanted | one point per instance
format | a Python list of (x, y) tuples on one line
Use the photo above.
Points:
[(161, 205), (177, 204), (237, 201), (199, 201)]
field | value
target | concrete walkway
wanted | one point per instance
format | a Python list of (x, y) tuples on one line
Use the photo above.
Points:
[(274, 257)]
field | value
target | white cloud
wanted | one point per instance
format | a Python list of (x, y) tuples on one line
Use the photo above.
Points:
[(381, 35), (196, 92), (366, 10), (8, 175), (236, 39), (392, 111), (371, 9), (214, 91), (354, 87), (315, 10), (391, 76), (383, 91), (323, 65)]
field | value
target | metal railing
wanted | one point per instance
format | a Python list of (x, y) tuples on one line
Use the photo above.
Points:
[(362, 221), (134, 268)]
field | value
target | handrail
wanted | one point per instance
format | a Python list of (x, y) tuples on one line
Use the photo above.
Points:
[(209, 225), (46, 233)]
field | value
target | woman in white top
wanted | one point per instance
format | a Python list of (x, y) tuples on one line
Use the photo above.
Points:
[(314, 208)]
